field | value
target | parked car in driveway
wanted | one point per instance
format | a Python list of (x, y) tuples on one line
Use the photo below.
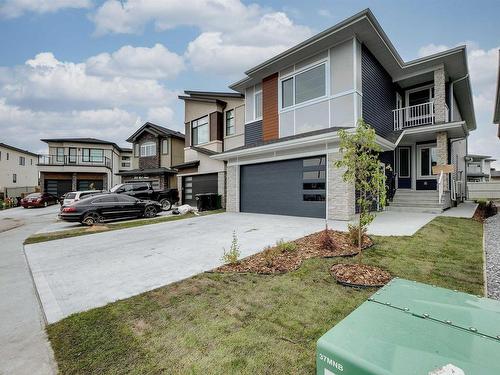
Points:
[(144, 190), (108, 207), (75, 196), (38, 200)]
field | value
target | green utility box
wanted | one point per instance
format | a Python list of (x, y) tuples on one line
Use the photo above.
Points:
[(412, 328)]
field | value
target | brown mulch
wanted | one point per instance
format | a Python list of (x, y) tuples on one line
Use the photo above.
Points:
[(484, 211), (274, 260), (360, 275)]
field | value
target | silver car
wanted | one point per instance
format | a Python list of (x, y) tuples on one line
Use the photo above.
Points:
[(74, 196)]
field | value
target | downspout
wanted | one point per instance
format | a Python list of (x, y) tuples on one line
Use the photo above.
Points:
[(452, 98)]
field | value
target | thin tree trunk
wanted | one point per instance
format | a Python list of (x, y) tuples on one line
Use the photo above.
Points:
[(359, 233)]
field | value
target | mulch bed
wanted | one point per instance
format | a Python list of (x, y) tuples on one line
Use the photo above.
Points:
[(275, 260), (484, 211), (360, 275)]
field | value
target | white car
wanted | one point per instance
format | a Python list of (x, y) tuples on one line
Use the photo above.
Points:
[(75, 196)]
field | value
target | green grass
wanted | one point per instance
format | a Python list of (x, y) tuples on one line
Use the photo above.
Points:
[(82, 231), (254, 324)]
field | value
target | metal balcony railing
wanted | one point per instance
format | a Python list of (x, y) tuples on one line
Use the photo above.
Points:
[(81, 160), (415, 115)]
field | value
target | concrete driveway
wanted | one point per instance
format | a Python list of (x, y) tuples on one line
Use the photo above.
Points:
[(80, 273)]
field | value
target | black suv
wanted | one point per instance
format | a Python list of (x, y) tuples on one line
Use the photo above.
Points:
[(144, 190)]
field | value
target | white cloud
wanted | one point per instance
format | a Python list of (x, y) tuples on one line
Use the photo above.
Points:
[(16, 8), (431, 49), (160, 115), (325, 13), (156, 62), (47, 83), (234, 36), (483, 70)]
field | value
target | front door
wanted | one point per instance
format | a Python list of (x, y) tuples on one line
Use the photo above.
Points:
[(72, 155), (426, 159), (404, 167)]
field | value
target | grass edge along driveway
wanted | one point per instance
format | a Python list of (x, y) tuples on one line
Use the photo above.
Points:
[(254, 324), (82, 231)]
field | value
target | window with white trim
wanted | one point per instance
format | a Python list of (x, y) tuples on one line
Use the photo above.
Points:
[(164, 146), (230, 122), (200, 131), (427, 158), (258, 105), (22, 160), (148, 149), (304, 86)]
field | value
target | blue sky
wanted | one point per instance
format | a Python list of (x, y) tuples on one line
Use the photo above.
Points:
[(100, 68)]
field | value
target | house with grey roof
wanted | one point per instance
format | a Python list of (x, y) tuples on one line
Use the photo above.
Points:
[(479, 168), (18, 171), (296, 102)]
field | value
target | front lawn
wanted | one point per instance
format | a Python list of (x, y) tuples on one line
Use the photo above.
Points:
[(254, 324)]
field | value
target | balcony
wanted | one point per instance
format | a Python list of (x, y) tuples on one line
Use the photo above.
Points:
[(415, 115), (74, 160)]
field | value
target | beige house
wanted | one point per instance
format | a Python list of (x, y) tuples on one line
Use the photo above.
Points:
[(155, 150), (81, 164), (214, 123), (18, 171)]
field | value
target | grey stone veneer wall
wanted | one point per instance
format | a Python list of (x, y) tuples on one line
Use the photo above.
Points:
[(439, 95), (341, 195), (221, 187), (233, 188)]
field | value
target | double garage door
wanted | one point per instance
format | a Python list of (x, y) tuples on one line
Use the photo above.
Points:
[(60, 187), (292, 187), (198, 184)]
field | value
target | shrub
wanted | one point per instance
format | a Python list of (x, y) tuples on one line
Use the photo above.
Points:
[(354, 234), (233, 255), (286, 247), (270, 255), (326, 240)]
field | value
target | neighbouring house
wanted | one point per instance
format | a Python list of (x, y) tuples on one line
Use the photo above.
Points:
[(495, 175), (214, 123), (81, 164), (297, 101), (18, 171), (496, 114), (479, 168), (155, 150)]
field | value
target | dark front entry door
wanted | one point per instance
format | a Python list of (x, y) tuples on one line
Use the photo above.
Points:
[(292, 187), (403, 158), (198, 184)]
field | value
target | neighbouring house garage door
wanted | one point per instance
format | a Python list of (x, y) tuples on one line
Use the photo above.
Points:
[(57, 187), (292, 187), (198, 184)]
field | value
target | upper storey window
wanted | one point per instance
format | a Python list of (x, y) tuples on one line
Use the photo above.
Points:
[(258, 105), (200, 131), (148, 149), (304, 86)]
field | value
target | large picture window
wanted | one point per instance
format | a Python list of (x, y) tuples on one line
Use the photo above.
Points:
[(148, 149), (200, 131), (304, 86)]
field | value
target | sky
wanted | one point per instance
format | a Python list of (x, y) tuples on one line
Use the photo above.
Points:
[(89, 68)]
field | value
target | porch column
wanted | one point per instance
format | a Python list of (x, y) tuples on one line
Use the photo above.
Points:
[(439, 96), (221, 187), (442, 153), (233, 188), (179, 188), (74, 184), (340, 195)]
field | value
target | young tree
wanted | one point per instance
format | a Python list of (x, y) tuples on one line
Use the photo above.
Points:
[(362, 167)]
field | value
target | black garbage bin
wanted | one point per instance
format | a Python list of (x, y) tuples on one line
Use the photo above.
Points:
[(207, 201)]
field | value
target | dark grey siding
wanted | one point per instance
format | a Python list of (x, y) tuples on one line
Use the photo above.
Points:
[(379, 94), (253, 133), (278, 188)]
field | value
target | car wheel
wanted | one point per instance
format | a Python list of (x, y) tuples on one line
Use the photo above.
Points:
[(166, 205), (91, 219), (149, 211), (45, 204)]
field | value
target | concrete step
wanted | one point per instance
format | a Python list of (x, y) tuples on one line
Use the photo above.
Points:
[(411, 200), (416, 193), (415, 204), (415, 209)]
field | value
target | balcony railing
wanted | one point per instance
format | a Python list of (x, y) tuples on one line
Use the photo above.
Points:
[(415, 115), (80, 160)]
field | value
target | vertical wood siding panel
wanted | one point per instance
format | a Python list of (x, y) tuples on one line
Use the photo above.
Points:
[(379, 94), (270, 119)]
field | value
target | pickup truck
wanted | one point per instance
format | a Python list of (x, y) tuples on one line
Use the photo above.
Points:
[(144, 190)]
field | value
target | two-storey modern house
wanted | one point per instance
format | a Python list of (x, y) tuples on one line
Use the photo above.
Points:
[(214, 123), (296, 102), (155, 150), (479, 168), (496, 113), (18, 171), (81, 164)]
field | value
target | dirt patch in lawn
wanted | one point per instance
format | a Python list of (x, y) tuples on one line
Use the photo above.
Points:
[(484, 210), (360, 275), (288, 256)]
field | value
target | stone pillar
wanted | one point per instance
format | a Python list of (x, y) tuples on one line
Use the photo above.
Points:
[(442, 153), (74, 185), (105, 182), (221, 187), (341, 195), (180, 187), (439, 96), (233, 188)]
